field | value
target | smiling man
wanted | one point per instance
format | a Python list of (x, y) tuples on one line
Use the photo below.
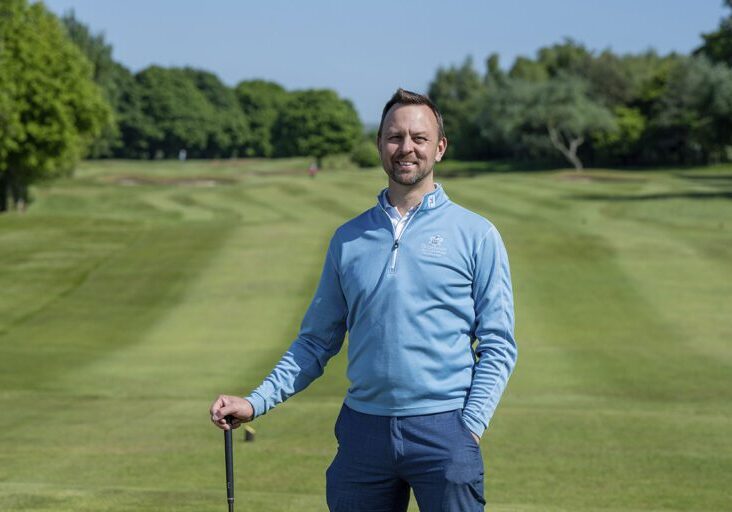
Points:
[(422, 286)]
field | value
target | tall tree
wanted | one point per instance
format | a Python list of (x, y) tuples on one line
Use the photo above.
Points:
[(50, 105), (568, 58), (317, 123), (533, 119), (501, 119), (105, 72), (717, 45), (230, 132), (692, 119), (569, 116), (527, 69), (262, 102), (623, 143), (181, 114), (456, 90), (138, 130)]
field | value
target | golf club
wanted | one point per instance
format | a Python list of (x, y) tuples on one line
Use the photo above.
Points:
[(229, 466)]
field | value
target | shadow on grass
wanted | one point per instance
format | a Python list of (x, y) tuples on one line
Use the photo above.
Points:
[(714, 180), (463, 168), (470, 169), (652, 197)]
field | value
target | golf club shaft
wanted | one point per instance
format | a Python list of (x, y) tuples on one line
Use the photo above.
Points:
[(229, 466)]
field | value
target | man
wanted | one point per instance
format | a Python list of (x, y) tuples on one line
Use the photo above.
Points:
[(415, 281)]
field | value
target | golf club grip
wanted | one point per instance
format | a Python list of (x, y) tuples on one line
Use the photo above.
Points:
[(229, 465)]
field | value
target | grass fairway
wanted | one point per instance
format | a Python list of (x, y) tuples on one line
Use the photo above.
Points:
[(135, 292)]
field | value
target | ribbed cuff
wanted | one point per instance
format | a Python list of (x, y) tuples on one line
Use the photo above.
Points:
[(476, 427), (257, 403)]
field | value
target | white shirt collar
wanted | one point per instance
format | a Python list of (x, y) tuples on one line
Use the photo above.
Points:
[(392, 211)]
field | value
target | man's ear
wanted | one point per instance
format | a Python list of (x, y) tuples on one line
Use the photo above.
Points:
[(441, 148)]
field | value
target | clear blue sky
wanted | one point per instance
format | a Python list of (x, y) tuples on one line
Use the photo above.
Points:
[(366, 49)]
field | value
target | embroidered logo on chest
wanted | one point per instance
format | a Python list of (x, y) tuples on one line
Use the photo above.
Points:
[(434, 247)]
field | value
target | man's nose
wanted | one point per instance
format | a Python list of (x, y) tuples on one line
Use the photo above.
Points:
[(407, 145)]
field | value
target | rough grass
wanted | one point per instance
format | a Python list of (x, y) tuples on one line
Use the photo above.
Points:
[(134, 293)]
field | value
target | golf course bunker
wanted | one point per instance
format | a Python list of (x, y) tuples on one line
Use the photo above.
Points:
[(201, 182)]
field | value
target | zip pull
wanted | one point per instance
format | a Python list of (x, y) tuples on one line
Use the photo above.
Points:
[(394, 252)]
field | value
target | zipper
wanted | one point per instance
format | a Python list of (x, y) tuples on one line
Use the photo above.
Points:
[(395, 246), (394, 251)]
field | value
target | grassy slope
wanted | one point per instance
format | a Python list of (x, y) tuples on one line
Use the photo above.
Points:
[(125, 309)]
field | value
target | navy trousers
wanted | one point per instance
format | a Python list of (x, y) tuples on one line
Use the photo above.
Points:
[(380, 457)]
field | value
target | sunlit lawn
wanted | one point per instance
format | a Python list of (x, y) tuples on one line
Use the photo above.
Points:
[(134, 293)]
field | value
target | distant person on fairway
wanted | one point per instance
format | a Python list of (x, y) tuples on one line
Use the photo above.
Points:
[(422, 286), (313, 170)]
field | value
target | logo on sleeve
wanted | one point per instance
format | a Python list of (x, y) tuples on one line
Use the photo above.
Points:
[(434, 246)]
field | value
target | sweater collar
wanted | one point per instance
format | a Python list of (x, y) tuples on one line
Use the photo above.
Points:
[(430, 200)]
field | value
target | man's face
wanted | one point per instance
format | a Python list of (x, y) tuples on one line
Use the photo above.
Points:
[(410, 143)]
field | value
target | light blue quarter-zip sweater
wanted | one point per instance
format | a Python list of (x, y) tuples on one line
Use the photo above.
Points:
[(413, 306)]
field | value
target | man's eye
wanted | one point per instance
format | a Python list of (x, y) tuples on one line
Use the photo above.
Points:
[(420, 139)]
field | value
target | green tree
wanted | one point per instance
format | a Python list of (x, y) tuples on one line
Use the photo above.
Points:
[(532, 119), (316, 123), (606, 77), (621, 144), (139, 132), (182, 116), (456, 90), (692, 118), (504, 124), (365, 154), (569, 116), (230, 132), (50, 107), (526, 69), (105, 73), (717, 45), (262, 102), (569, 58), (647, 74), (608, 80)]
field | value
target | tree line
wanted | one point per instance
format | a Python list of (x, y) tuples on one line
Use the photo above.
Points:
[(161, 111), (594, 108), (64, 97)]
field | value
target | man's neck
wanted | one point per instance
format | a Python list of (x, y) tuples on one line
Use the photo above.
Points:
[(405, 197)]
